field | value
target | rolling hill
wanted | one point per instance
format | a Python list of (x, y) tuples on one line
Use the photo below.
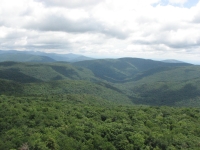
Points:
[(55, 79), (175, 86), (34, 56), (23, 57), (125, 69), (38, 72), (150, 82), (135, 80)]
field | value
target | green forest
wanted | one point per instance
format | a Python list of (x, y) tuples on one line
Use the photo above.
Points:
[(119, 104), (52, 123)]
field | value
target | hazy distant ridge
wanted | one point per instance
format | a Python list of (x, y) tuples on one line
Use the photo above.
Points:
[(172, 61), (32, 56)]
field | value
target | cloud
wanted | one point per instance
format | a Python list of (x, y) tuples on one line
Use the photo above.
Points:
[(135, 28), (174, 39), (178, 1), (196, 18), (70, 4), (61, 23)]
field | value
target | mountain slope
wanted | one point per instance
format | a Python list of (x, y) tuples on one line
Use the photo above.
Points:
[(32, 72), (175, 86), (150, 82), (55, 79), (21, 57), (61, 88), (141, 81), (124, 69)]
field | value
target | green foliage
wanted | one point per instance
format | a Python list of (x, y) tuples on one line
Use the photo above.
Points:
[(58, 106), (47, 123), (179, 86), (34, 72)]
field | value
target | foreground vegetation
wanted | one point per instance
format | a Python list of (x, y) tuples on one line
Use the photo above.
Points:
[(83, 122)]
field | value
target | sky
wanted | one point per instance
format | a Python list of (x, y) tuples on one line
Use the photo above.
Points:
[(151, 29)]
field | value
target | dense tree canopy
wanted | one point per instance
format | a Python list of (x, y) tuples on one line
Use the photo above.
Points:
[(48, 123)]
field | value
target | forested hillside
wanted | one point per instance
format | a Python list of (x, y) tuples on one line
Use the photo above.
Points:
[(112, 104), (52, 123), (140, 81), (125, 69), (35, 72), (176, 86)]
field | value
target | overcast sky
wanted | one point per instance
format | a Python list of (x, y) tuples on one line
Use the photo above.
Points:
[(156, 29)]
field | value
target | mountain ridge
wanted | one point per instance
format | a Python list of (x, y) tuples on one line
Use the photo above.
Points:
[(21, 56), (140, 81), (172, 61), (122, 69)]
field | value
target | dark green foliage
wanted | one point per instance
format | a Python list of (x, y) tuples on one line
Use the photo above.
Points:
[(150, 72), (8, 63), (176, 86), (47, 123), (34, 72), (164, 95), (99, 90), (16, 75), (10, 87), (105, 69), (65, 71)]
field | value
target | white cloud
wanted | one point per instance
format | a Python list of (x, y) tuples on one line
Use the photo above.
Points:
[(113, 28), (71, 4), (178, 1)]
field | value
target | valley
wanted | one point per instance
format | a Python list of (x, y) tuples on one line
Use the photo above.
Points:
[(125, 103), (138, 81)]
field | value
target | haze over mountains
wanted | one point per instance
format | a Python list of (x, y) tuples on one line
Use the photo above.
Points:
[(37, 56), (134, 80), (34, 56)]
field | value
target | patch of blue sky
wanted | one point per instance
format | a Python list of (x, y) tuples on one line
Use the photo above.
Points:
[(188, 4)]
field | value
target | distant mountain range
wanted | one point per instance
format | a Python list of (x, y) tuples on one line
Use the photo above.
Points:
[(31, 56), (36, 56), (124, 80), (24, 57), (126, 69), (172, 61)]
